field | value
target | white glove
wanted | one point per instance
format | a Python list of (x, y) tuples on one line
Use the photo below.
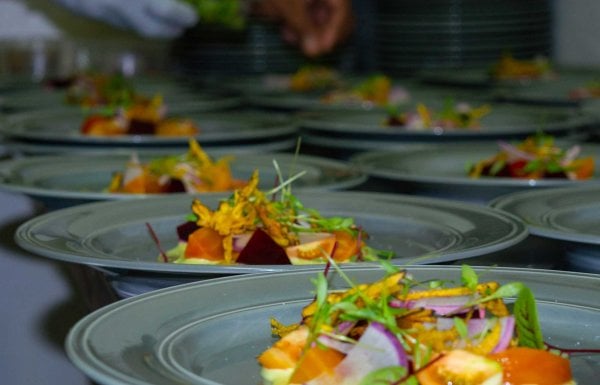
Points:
[(150, 18)]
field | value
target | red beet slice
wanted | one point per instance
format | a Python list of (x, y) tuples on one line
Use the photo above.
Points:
[(174, 186), (262, 250), (141, 127), (185, 229)]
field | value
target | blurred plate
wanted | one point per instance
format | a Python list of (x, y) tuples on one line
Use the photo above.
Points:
[(24, 148), (175, 97), (114, 236), (503, 122), (211, 332), (440, 171), (571, 215), (559, 91), (217, 128), (61, 181)]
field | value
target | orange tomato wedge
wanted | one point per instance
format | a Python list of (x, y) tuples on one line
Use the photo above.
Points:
[(312, 246), (583, 168), (533, 366), (205, 243), (346, 246)]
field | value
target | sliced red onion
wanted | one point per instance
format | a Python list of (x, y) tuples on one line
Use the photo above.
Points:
[(571, 154), (440, 305), (335, 344), (240, 241), (344, 327), (506, 335), (514, 153), (377, 348), (477, 326)]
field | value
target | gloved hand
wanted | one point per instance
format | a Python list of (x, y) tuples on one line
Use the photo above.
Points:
[(150, 18)]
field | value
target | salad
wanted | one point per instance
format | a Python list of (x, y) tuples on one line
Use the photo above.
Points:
[(192, 172), (376, 90), (536, 157), (141, 117), (92, 89), (510, 68), (401, 331), (450, 116), (314, 78), (257, 227), (591, 90)]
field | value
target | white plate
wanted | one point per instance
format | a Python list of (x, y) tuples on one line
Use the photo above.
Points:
[(114, 236), (61, 181), (211, 332), (570, 215), (441, 171)]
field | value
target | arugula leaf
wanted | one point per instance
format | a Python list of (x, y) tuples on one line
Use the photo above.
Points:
[(469, 277), (509, 290), (385, 376), (461, 327), (497, 166), (527, 323)]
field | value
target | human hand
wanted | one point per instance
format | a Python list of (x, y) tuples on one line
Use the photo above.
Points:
[(316, 26), (150, 18)]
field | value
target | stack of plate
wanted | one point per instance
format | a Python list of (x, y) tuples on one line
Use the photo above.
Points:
[(414, 35), (256, 49), (570, 215)]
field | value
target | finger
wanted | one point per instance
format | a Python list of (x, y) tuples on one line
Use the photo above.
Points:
[(339, 25), (294, 14)]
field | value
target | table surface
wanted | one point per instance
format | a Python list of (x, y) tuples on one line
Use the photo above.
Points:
[(39, 306)]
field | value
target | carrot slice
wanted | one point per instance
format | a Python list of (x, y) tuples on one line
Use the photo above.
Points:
[(205, 243)]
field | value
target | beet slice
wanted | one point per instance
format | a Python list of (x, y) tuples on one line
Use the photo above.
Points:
[(174, 186), (185, 229), (141, 127), (262, 250)]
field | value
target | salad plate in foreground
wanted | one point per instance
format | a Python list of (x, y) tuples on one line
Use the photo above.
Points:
[(570, 215), (115, 236), (446, 171), (212, 332)]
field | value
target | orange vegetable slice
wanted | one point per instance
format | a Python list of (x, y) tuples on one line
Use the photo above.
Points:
[(312, 246), (346, 246), (205, 243), (314, 362), (533, 366)]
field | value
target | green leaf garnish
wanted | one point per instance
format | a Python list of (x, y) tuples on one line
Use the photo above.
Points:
[(526, 319), (385, 376), (509, 290), (461, 327), (469, 277)]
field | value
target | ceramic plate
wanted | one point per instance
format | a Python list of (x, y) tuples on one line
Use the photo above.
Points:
[(211, 332), (114, 235), (571, 215), (67, 180), (217, 128), (176, 97), (564, 90), (18, 148), (440, 170), (504, 121)]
